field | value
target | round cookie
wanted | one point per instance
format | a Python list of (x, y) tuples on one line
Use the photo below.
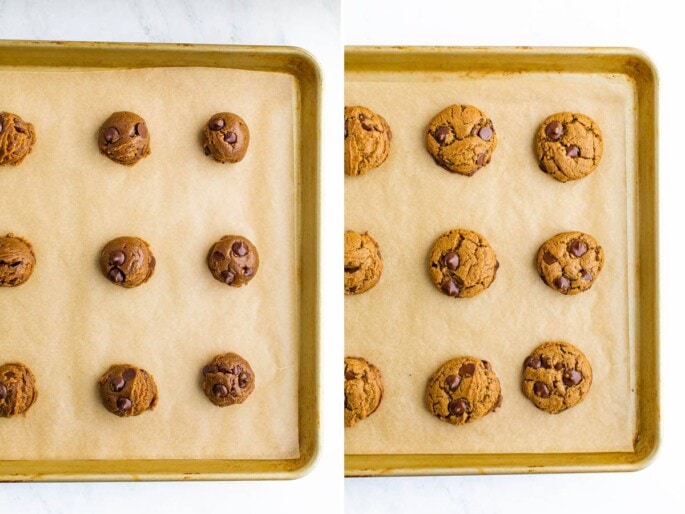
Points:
[(363, 390), (16, 139), (124, 138), (233, 260), (462, 263), (570, 262), (228, 379), (127, 390), (556, 376), (226, 137), (17, 389), (461, 139), (367, 140), (363, 262), (568, 146), (17, 260), (463, 390), (127, 261)]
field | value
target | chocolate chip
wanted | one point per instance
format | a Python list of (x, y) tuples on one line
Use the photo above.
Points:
[(559, 366), (141, 129), (116, 275), (111, 135), (218, 256), (129, 374), (572, 151), (366, 125), (540, 389), (242, 380), (451, 261), (349, 375), (228, 276), (248, 272), (458, 407), (225, 369), (481, 159), (230, 137), (487, 365), (572, 377), (220, 390), (546, 362), (586, 275), (498, 403), (362, 116), (467, 369), (239, 248), (532, 361), (3, 391), (554, 131), (441, 133), (216, 124), (117, 258), (207, 150), (562, 283), (0, 127), (10, 374), (116, 383), (209, 368), (450, 288), (345, 132), (19, 127), (152, 263), (124, 404), (452, 382), (577, 248), (548, 258), (485, 133)]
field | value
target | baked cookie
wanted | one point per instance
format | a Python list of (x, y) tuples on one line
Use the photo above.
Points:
[(568, 146), (226, 137), (367, 140), (462, 263), (16, 139), (124, 138), (17, 389), (556, 376), (228, 379), (461, 139), (17, 260), (570, 262), (463, 390), (363, 262), (127, 390), (233, 260), (127, 261), (363, 390)]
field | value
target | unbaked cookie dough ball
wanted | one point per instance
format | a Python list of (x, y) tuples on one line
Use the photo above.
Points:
[(233, 260), (16, 139), (124, 138), (17, 389), (127, 261), (127, 390), (17, 260), (228, 379), (226, 137)]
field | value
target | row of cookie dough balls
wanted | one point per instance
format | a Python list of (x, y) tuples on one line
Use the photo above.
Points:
[(556, 376), (124, 138), (462, 139), (462, 263), (127, 390), (128, 261)]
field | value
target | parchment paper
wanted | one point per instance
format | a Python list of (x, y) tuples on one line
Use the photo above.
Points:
[(68, 323), (408, 328)]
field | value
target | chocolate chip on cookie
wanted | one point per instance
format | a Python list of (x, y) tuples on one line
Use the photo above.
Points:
[(16, 139), (363, 389), (17, 260), (17, 389), (363, 262), (227, 379), (127, 390), (233, 260), (226, 137), (127, 261), (367, 140), (124, 138)]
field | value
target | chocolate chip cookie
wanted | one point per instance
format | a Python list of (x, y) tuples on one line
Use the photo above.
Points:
[(233, 260), (568, 146), (556, 376), (461, 139), (363, 262), (228, 379), (363, 390), (570, 262), (367, 140), (226, 137), (127, 261), (124, 138), (127, 390), (17, 389), (463, 390), (16, 139), (17, 260)]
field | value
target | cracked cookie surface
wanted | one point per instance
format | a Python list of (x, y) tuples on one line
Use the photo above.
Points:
[(363, 262), (570, 262), (124, 138), (463, 390), (556, 376), (461, 139), (363, 389), (16, 139), (127, 390), (228, 379), (17, 389), (127, 261), (569, 146), (226, 137), (17, 260), (367, 140)]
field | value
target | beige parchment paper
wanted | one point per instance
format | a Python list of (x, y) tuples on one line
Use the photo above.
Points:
[(408, 328), (68, 323)]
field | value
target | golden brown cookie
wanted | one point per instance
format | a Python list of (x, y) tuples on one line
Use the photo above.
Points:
[(568, 146), (233, 260), (127, 390), (228, 379), (556, 376), (363, 262), (570, 262), (17, 260), (367, 140), (16, 139), (461, 139), (124, 138), (363, 390), (226, 137), (17, 389), (463, 390), (127, 261)]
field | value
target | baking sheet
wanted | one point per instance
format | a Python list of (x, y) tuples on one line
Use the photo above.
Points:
[(69, 324), (408, 329)]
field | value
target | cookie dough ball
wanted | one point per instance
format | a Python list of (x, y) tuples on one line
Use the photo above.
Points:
[(16, 139), (363, 262), (463, 390), (461, 139), (127, 390), (367, 140), (17, 389), (16, 260), (233, 260), (127, 261), (124, 138), (556, 376), (570, 262), (363, 390), (226, 137), (568, 146), (462, 263), (228, 379)]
